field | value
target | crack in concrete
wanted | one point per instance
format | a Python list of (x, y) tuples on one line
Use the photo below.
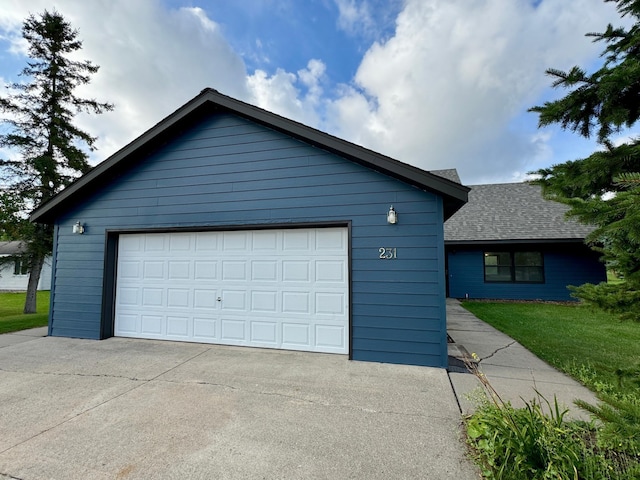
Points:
[(496, 351), (10, 477), (71, 374)]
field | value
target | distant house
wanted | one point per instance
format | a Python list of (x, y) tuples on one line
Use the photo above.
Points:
[(14, 274), (508, 242)]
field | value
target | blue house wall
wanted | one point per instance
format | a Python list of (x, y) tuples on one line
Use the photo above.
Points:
[(228, 172), (564, 264)]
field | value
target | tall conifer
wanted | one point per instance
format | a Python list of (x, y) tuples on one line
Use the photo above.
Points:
[(45, 143)]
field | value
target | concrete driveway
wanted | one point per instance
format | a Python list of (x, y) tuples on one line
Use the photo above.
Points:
[(141, 409)]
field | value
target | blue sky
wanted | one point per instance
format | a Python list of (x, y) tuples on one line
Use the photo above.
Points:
[(434, 83)]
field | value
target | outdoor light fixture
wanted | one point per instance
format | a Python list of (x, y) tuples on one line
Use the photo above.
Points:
[(392, 216), (78, 228)]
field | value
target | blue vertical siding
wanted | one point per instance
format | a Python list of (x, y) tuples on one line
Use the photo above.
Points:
[(564, 264), (228, 171)]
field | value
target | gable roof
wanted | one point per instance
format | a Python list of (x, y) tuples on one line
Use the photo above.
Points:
[(511, 212), (211, 101)]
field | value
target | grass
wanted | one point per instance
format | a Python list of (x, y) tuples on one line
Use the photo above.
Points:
[(11, 317), (588, 344)]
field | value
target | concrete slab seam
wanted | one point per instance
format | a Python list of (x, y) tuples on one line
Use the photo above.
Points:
[(142, 383), (308, 401), (455, 394)]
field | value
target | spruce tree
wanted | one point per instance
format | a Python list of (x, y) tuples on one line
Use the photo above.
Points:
[(45, 144), (604, 189)]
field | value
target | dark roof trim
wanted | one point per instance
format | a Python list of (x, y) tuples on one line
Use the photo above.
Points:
[(519, 241), (209, 101)]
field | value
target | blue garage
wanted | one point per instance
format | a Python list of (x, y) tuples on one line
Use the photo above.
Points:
[(228, 224)]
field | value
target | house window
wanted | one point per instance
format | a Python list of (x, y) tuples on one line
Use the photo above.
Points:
[(20, 267), (518, 267)]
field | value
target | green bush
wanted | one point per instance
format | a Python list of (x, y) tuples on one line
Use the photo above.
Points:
[(526, 443)]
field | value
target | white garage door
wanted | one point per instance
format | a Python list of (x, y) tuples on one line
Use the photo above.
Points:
[(267, 288)]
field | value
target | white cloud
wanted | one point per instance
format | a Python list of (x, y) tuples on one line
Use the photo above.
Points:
[(442, 91), (354, 16), (152, 60), (280, 92)]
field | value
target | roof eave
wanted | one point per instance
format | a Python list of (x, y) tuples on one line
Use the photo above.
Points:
[(454, 194), (513, 241)]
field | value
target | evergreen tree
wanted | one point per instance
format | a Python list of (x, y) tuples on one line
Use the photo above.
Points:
[(39, 114), (604, 189)]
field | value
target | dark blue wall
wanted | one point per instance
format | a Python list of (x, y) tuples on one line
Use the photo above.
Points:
[(564, 264), (229, 171)]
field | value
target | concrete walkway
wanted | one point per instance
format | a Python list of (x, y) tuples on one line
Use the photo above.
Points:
[(513, 371)]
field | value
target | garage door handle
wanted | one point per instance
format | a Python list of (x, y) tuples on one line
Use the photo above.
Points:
[(219, 299)]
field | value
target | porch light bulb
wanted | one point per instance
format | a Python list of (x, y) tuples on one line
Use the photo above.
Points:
[(78, 228), (392, 216)]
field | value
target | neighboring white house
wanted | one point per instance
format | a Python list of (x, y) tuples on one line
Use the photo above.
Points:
[(15, 275)]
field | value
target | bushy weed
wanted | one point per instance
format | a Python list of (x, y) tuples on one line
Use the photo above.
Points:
[(528, 443)]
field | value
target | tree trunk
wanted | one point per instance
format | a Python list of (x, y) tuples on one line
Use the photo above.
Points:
[(30, 305)]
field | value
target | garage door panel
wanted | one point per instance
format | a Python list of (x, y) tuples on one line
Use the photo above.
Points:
[(296, 335), (234, 270), (331, 241), (178, 326), (330, 303), (204, 329), (264, 333), (269, 288), (330, 336), (152, 297), (330, 271), (234, 241), (264, 270), (296, 240), (151, 325), (129, 269), (179, 270), (207, 242), (266, 240), (178, 297), (205, 270), (128, 324), (264, 301), (154, 243), (233, 330), (153, 270), (205, 299)]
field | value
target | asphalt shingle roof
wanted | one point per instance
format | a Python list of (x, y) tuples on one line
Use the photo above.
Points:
[(11, 248), (449, 174), (511, 211)]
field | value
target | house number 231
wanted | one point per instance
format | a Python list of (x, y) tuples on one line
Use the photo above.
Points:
[(387, 253)]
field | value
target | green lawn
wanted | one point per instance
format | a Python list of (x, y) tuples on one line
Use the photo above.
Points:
[(587, 344), (11, 317)]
